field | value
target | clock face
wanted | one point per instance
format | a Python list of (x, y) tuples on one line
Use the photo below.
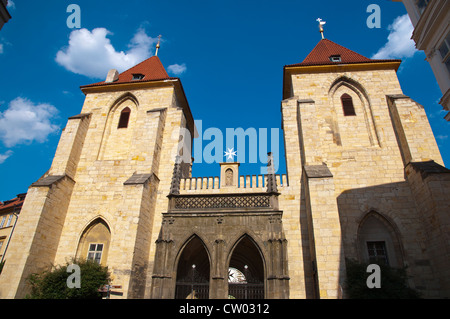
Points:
[(236, 276)]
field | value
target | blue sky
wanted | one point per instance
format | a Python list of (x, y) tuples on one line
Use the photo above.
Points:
[(228, 54)]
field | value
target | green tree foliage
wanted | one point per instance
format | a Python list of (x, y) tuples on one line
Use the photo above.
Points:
[(53, 284), (393, 283)]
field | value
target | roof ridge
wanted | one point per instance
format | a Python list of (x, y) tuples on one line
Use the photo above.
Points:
[(137, 64), (347, 49), (323, 51), (152, 69)]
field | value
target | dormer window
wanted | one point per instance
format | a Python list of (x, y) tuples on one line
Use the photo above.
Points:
[(137, 76), (335, 58)]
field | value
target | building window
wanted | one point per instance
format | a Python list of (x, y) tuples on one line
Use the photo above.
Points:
[(9, 220), (377, 252), (444, 50), (3, 221), (422, 5), (335, 58), (137, 76), (347, 105), (95, 252), (124, 118)]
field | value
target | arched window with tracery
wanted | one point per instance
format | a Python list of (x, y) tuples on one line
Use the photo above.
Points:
[(124, 118), (94, 242), (379, 241), (347, 105)]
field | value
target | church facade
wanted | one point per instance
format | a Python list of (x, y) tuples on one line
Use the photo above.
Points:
[(364, 180)]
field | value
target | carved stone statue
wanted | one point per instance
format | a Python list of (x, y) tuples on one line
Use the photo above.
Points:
[(229, 177)]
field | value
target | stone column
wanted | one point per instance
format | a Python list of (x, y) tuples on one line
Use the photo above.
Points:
[(413, 131), (278, 278), (325, 231), (219, 276), (163, 275), (36, 237), (131, 249), (430, 186)]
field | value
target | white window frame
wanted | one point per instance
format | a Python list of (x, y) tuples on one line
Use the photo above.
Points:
[(95, 252), (3, 221), (8, 223), (335, 58)]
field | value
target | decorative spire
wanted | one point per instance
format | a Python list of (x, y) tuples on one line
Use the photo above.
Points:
[(157, 45), (321, 23), (176, 177), (271, 180)]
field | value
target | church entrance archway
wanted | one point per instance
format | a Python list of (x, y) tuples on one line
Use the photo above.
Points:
[(193, 271), (246, 271)]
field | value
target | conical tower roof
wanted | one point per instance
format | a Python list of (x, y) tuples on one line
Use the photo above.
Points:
[(325, 49), (150, 69), (328, 56)]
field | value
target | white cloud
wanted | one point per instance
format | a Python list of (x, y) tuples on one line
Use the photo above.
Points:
[(92, 54), (399, 44), (3, 157), (177, 69), (25, 122), (4, 45), (442, 137), (11, 5)]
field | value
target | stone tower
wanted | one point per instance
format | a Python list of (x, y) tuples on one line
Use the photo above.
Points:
[(371, 176), (100, 195), (365, 181)]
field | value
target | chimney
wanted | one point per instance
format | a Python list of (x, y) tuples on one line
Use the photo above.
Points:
[(112, 76)]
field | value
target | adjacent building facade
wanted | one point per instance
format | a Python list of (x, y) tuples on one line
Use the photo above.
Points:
[(432, 35), (9, 214), (365, 180)]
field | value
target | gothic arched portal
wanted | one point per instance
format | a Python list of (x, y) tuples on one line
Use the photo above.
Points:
[(193, 271), (246, 271)]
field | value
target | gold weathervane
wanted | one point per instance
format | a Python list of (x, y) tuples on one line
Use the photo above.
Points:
[(157, 45), (321, 23)]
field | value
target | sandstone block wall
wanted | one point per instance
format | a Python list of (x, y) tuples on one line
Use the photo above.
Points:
[(366, 155)]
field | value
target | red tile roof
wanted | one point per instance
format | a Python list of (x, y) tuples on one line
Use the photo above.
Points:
[(152, 69), (18, 201), (322, 52)]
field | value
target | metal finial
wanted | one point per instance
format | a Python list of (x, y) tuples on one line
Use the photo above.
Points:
[(271, 179), (321, 23), (157, 45)]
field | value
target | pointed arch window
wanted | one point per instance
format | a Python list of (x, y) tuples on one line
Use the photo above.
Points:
[(94, 242), (124, 118), (379, 242), (347, 105)]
